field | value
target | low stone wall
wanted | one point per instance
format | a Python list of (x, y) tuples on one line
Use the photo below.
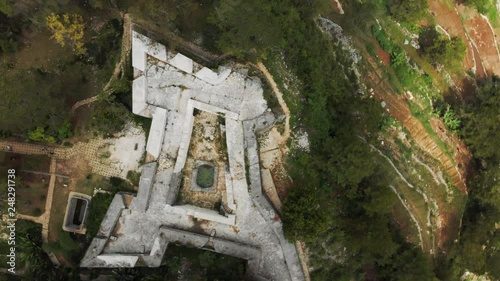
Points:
[(140, 203), (70, 211)]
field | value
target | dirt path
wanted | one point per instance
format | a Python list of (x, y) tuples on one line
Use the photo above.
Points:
[(284, 107), (120, 66), (44, 219), (300, 246)]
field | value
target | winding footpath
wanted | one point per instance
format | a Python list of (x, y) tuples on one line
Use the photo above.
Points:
[(281, 101), (300, 246)]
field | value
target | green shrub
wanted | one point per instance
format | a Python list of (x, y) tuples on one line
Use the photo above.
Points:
[(119, 184), (109, 117), (134, 177), (450, 119), (143, 122), (65, 131), (382, 38), (116, 181), (38, 134), (98, 207), (408, 10), (439, 48), (482, 6)]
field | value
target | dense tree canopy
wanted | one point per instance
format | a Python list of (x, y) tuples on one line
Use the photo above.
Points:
[(441, 49), (481, 120), (337, 205), (249, 26), (408, 10), (9, 28), (477, 250), (304, 218)]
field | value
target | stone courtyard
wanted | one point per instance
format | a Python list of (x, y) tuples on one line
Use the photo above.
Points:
[(176, 93)]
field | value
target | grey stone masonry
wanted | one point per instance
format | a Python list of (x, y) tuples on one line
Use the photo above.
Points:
[(168, 87), (141, 201)]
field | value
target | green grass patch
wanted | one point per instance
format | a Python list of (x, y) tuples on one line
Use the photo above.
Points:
[(98, 208), (144, 123), (134, 177)]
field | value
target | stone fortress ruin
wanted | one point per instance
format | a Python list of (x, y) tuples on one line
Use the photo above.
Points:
[(201, 186)]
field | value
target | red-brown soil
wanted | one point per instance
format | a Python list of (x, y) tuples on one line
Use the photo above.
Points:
[(473, 28), (483, 37), (450, 219), (398, 108), (463, 156), (384, 56)]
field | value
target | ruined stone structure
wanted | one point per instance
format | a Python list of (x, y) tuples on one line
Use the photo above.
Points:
[(136, 230), (76, 212)]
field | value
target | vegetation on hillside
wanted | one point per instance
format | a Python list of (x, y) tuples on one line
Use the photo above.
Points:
[(477, 249), (485, 7), (340, 203), (338, 196), (38, 87), (407, 10), (438, 48)]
